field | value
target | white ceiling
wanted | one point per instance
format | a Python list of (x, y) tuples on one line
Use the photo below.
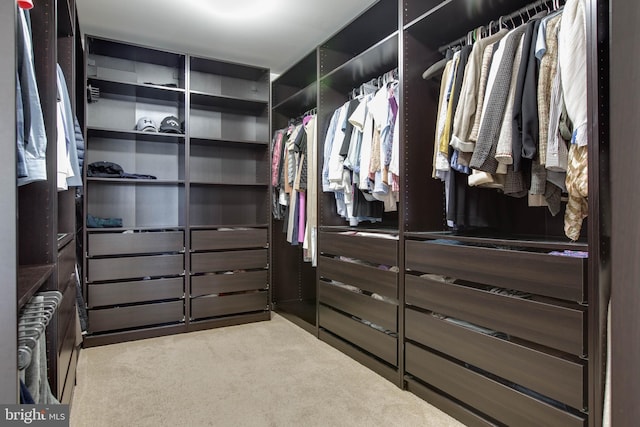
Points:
[(268, 33)]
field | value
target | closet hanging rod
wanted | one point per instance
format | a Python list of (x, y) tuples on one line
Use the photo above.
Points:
[(376, 81), (32, 323), (503, 19)]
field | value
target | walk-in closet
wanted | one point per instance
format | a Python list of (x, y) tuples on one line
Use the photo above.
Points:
[(440, 192)]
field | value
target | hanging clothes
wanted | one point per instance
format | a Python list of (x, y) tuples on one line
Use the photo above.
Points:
[(68, 130), (572, 58), (310, 243), (32, 137)]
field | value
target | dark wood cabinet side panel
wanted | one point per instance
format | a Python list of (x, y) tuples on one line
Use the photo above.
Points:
[(367, 278), (488, 396), (553, 326)]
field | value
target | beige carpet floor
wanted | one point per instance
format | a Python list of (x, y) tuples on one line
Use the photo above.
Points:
[(262, 374)]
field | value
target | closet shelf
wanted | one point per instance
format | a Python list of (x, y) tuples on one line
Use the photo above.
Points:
[(229, 69), (208, 101), (134, 135), (136, 181), (296, 78), (237, 184), (215, 226), (224, 141), (138, 90), (304, 99), (135, 229), (429, 27), (379, 58), (379, 230), (376, 23), (30, 279)]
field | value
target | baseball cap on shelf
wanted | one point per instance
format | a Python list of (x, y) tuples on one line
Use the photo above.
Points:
[(25, 4), (146, 124), (170, 124)]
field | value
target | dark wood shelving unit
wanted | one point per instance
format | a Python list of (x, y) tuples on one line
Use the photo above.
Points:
[(435, 356), (216, 173)]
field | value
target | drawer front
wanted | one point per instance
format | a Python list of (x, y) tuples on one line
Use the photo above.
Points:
[(135, 316), (375, 342), (70, 381), (203, 307), (135, 243), (66, 313), (503, 403), (364, 277), (228, 261), (202, 240), (363, 306), (66, 266), (65, 354), (552, 376), (541, 274), (372, 249), (220, 283), (134, 267), (136, 291), (550, 325)]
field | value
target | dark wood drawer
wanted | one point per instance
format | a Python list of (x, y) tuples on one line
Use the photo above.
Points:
[(364, 277), (371, 340), (538, 273), (70, 380), (232, 239), (543, 323), (505, 404), (66, 314), (228, 261), (65, 354), (552, 376), (110, 319), (363, 306), (135, 243), (135, 291), (134, 267), (372, 249), (66, 266), (219, 283), (203, 307)]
